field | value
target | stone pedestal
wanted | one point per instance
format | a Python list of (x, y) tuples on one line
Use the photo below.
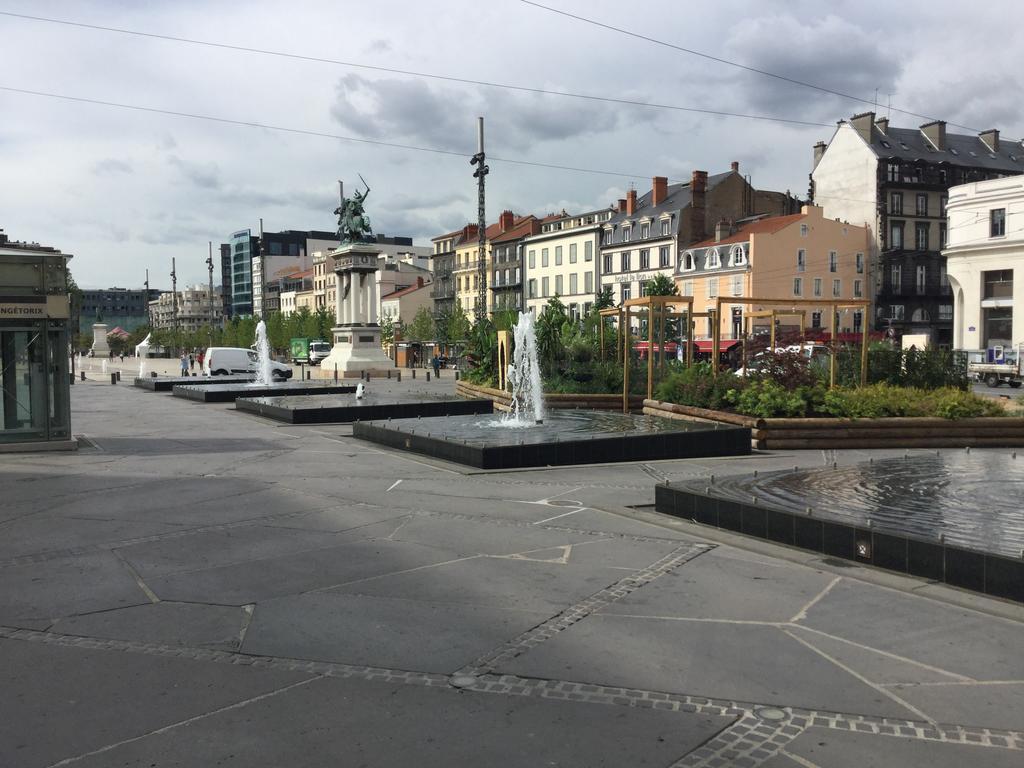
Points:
[(100, 348), (357, 345)]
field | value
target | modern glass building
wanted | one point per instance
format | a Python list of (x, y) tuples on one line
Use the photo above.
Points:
[(243, 248), (35, 387)]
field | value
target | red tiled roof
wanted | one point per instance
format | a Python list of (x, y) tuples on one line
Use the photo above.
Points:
[(767, 226), (522, 227)]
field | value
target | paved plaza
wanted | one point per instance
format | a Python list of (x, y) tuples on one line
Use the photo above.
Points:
[(198, 586)]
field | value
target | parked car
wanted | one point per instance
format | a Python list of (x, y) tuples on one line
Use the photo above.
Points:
[(225, 361)]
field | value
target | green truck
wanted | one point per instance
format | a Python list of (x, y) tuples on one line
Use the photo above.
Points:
[(311, 351)]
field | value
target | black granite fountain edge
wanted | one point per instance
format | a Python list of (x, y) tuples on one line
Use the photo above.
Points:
[(206, 394), (727, 441), (395, 409), (975, 570), (166, 383)]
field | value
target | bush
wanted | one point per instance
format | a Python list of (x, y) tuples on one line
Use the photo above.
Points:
[(697, 387), (767, 399), (883, 400), (923, 369), (789, 370)]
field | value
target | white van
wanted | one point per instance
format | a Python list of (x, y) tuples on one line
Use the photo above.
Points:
[(225, 361), (318, 352)]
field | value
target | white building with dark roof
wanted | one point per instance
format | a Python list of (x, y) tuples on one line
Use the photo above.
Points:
[(896, 181)]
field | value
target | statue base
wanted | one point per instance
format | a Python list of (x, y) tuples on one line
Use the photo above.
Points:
[(100, 347), (356, 349)]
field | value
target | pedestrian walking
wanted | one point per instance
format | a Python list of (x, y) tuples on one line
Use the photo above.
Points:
[(184, 365), (191, 361), (436, 363)]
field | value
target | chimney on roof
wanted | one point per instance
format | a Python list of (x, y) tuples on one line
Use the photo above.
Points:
[(698, 192), (659, 190), (722, 230), (991, 139), (631, 202), (819, 152), (506, 220), (862, 124), (735, 166), (935, 132), (882, 124), (622, 205), (469, 231)]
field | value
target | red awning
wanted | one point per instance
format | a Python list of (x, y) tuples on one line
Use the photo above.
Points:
[(723, 346), (668, 346)]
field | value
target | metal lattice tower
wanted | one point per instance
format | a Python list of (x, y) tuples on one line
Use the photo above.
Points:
[(479, 174)]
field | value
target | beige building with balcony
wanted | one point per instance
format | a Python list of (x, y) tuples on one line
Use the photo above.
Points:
[(801, 256), (194, 309)]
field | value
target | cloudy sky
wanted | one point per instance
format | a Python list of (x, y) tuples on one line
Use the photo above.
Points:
[(128, 190)]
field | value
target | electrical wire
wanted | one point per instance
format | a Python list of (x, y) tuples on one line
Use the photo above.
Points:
[(411, 73), (736, 64)]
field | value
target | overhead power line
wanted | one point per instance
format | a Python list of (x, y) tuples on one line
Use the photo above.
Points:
[(427, 75), (307, 132), (730, 63)]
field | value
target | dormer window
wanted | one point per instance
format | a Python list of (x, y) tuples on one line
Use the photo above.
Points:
[(686, 262), (645, 231), (626, 231), (714, 259), (737, 258), (665, 225)]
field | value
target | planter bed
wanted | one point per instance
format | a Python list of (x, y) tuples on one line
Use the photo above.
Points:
[(896, 432), (502, 400)]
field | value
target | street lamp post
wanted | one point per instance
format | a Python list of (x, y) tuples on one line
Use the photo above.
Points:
[(209, 267)]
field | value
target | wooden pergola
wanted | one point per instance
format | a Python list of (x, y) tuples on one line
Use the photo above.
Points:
[(834, 305)]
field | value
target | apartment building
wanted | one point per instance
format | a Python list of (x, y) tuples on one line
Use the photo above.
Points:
[(470, 266), (562, 259), (506, 264), (194, 309), (896, 181), (801, 256), (442, 264)]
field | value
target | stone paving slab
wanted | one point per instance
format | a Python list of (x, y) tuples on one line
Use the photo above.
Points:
[(836, 749), (353, 722), (189, 625), (731, 661), (71, 700), (992, 705), (401, 634)]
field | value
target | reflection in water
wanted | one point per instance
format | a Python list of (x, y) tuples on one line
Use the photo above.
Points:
[(972, 499)]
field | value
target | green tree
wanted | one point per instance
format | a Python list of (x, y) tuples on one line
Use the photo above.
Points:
[(387, 331), (276, 332), (422, 326), (661, 285), (459, 326), (324, 322), (604, 299), (549, 334)]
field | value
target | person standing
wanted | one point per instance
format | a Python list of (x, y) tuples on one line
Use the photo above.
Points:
[(436, 363), (191, 361), (184, 365)]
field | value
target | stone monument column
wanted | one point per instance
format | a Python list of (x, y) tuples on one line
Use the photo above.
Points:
[(357, 345), (100, 347)]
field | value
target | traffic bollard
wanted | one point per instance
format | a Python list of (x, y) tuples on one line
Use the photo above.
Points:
[(113, 378), (428, 375)]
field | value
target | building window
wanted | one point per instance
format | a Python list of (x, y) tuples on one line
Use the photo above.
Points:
[(625, 261), (945, 311), (607, 263), (798, 286), (545, 284), (816, 319), (801, 260), (896, 235), (645, 258), (572, 253), (588, 282), (665, 227), (626, 233), (687, 287), (543, 257), (712, 287), (859, 261), (645, 231), (998, 284), (896, 203), (627, 292), (892, 172), (663, 256), (997, 219), (533, 259), (837, 289), (686, 262), (803, 230), (713, 260), (738, 258), (858, 291), (922, 280), (817, 287), (558, 285), (558, 255), (944, 286), (833, 261), (588, 251), (896, 278), (737, 285), (896, 311), (508, 275), (531, 288), (921, 235), (942, 235), (922, 204)]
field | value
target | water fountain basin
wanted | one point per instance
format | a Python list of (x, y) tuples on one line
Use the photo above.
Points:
[(341, 408)]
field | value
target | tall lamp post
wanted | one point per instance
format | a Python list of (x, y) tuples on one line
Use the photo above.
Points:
[(174, 300), (481, 171), (209, 267)]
